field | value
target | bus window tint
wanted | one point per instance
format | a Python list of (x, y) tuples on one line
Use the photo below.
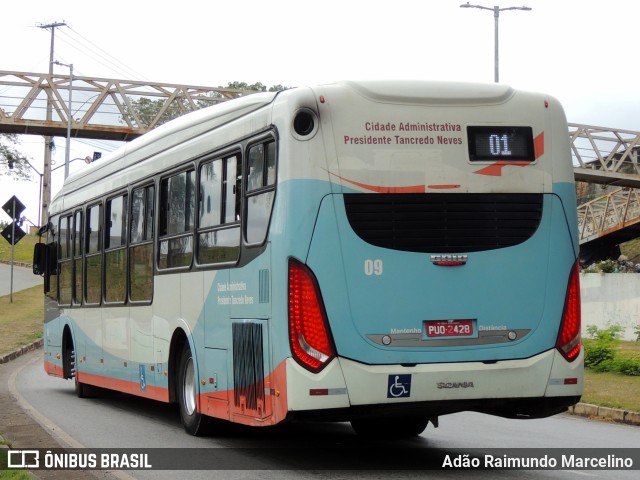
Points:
[(256, 168), (77, 258), (177, 204), (137, 215), (116, 254), (66, 264), (271, 163), (260, 190), (218, 230), (93, 255), (141, 249), (232, 184), (210, 194), (94, 222), (219, 246)]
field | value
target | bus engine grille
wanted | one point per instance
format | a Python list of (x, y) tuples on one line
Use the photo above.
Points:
[(444, 223), (248, 365)]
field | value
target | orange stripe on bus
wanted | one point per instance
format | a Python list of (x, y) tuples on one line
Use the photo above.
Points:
[(538, 145), (381, 189), (155, 393)]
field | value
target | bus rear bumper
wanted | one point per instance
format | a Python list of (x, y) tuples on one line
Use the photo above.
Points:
[(534, 387)]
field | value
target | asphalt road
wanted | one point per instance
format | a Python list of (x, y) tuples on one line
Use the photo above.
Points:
[(121, 421), (22, 278)]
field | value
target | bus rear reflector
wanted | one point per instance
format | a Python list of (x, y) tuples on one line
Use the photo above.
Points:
[(309, 336), (568, 342)]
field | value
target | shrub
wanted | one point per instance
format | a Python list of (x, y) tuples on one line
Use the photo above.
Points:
[(599, 352), (598, 355), (628, 366)]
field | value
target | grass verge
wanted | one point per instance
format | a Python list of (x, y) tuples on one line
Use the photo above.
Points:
[(612, 390), (21, 321), (10, 474), (23, 249)]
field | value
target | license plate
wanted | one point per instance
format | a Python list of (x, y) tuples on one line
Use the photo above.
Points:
[(449, 328)]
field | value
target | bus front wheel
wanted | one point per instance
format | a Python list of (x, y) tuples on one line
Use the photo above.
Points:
[(192, 420)]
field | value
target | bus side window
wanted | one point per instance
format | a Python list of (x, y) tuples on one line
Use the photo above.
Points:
[(115, 258), (177, 212), (218, 222), (141, 245), (93, 255), (261, 179), (77, 258), (65, 280)]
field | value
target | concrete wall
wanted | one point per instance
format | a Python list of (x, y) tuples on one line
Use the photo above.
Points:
[(611, 299)]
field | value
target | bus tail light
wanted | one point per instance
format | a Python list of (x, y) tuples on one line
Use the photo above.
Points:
[(568, 342), (309, 335)]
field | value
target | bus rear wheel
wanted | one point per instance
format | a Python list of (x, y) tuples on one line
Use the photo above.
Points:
[(193, 421), (390, 427)]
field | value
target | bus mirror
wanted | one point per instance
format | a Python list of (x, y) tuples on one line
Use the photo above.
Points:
[(39, 258)]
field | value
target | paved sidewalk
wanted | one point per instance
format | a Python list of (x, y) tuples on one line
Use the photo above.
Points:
[(19, 430)]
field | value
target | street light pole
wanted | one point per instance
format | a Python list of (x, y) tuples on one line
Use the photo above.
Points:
[(496, 15)]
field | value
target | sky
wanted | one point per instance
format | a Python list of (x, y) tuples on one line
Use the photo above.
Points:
[(583, 52)]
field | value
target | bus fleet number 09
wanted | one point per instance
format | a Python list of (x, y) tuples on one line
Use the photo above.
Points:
[(372, 267)]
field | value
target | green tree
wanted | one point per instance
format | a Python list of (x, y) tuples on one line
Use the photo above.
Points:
[(257, 87), (12, 161)]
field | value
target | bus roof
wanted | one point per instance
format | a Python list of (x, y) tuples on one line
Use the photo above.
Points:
[(188, 126), (419, 92)]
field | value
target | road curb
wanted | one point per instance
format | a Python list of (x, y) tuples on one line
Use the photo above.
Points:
[(21, 351), (598, 412), (18, 264)]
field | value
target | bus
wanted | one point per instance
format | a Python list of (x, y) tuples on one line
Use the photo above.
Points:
[(375, 252)]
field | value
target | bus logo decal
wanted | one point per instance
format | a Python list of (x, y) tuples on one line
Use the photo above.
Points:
[(143, 379), (449, 260), (399, 386)]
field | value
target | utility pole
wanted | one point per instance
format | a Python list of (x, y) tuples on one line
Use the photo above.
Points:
[(46, 184)]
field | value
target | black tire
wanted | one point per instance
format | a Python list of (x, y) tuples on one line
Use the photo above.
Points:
[(70, 368), (193, 422), (390, 427), (82, 389)]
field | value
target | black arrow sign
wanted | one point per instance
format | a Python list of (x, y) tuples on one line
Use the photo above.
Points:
[(14, 207)]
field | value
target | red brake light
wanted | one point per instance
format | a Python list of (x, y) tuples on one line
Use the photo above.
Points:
[(309, 336), (568, 342)]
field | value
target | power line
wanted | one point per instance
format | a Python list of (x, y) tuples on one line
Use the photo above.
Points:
[(95, 52)]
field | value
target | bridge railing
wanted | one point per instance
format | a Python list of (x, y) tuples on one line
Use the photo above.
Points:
[(608, 213), (605, 149), (101, 107)]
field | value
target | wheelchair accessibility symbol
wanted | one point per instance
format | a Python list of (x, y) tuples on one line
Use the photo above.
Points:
[(399, 386)]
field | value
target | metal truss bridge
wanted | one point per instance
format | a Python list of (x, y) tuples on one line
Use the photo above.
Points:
[(609, 205), (102, 108), (110, 109)]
